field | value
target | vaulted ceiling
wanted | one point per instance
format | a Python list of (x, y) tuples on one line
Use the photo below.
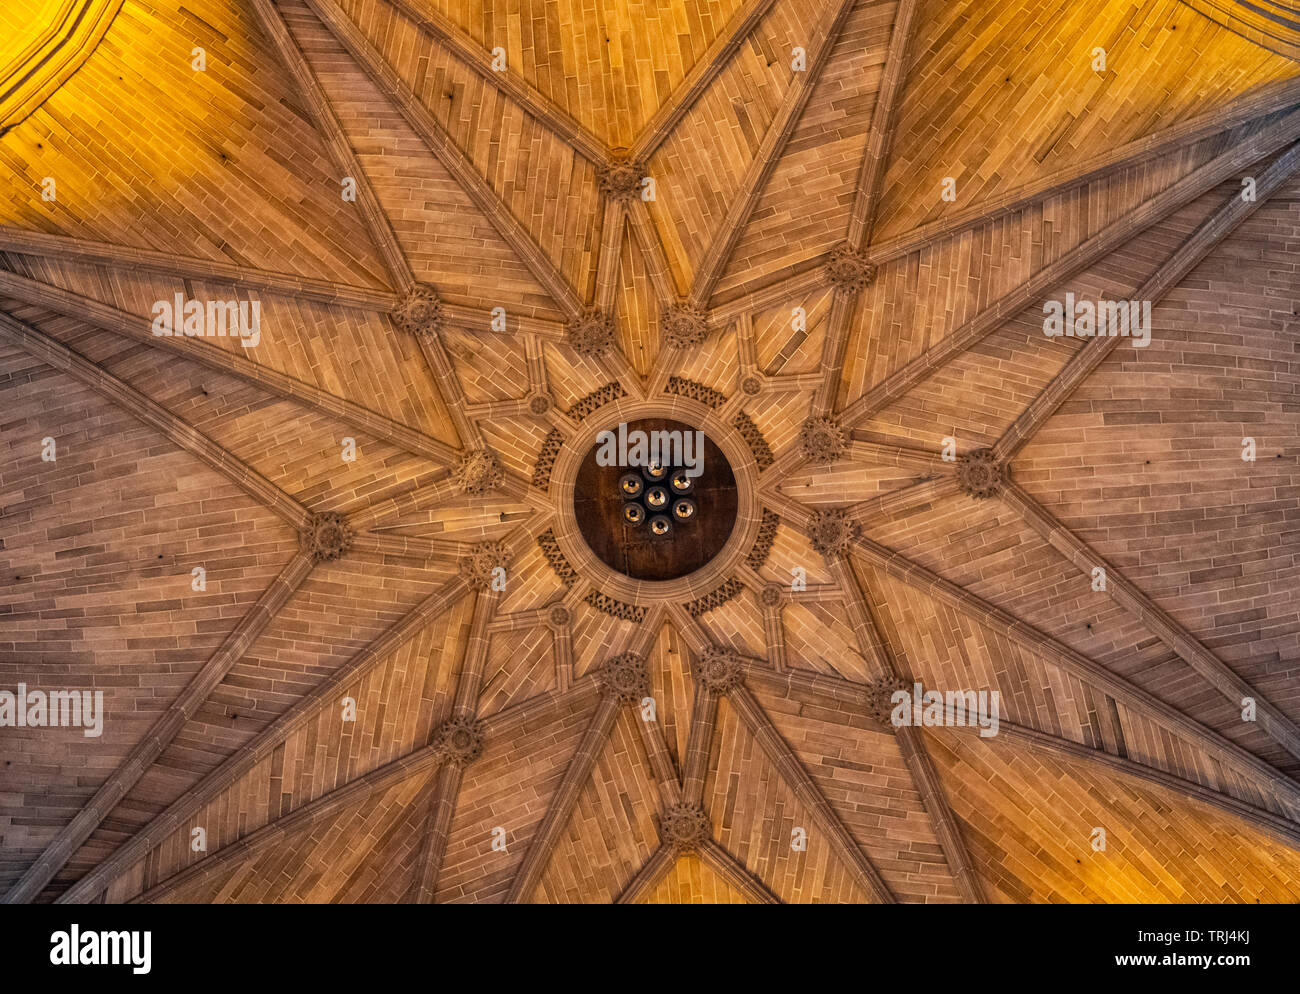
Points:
[(478, 232)]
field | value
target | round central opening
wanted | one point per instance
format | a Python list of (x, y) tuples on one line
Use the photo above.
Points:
[(655, 499)]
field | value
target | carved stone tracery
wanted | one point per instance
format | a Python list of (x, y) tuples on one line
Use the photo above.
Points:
[(686, 827), (720, 669), (849, 271), (419, 312), (479, 472), (979, 474), (832, 532), (485, 558), (684, 326), (591, 334), (624, 678), (460, 740), (822, 440), (326, 537), (880, 706), (620, 179)]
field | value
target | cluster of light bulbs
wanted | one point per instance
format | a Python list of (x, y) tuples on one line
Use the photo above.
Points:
[(658, 495)]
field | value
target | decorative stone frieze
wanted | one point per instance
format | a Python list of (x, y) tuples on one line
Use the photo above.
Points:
[(595, 400), (616, 608), (556, 559), (763, 541), (715, 598), (683, 387), (753, 437), (551, 445)]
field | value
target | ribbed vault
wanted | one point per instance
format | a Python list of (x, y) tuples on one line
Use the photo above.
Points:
[(467, 261)]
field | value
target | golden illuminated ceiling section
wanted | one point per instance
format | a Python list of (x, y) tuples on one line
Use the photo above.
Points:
[(44, 43), (441, 209), (1272, 24), (611, 66)]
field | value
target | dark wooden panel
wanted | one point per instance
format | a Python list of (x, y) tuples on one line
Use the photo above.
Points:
[(632, 549)]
